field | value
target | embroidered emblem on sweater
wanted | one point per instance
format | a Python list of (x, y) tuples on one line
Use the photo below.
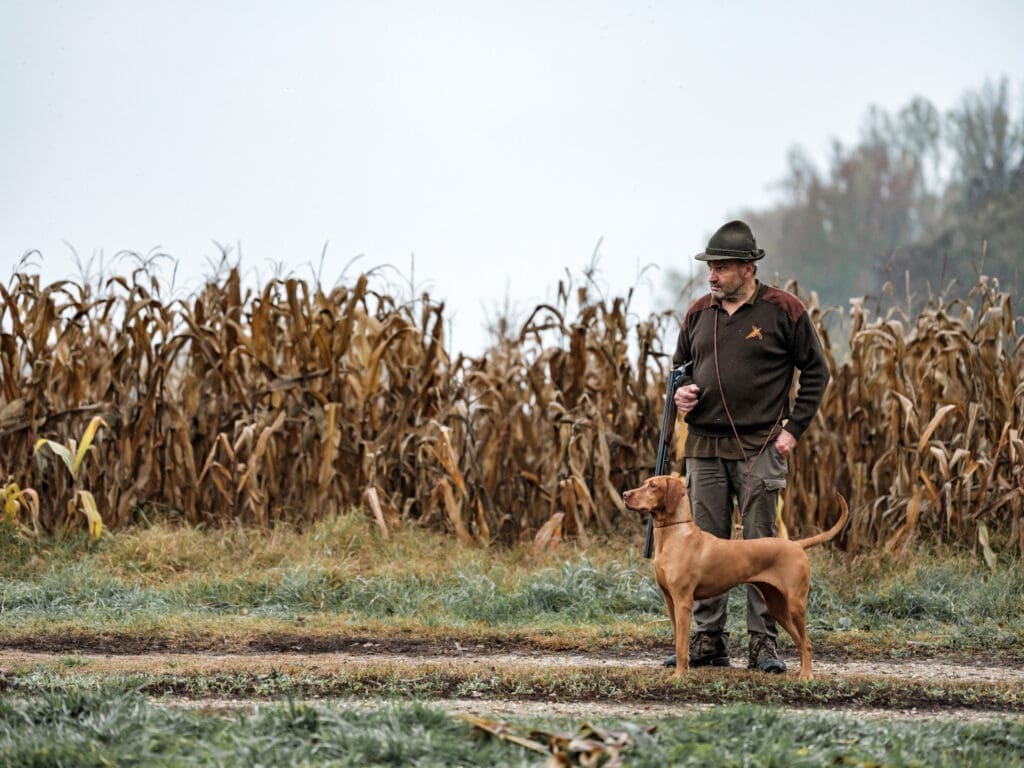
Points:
[(755, 333)]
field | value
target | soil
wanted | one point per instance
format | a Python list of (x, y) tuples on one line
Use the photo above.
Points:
[(322, 656)]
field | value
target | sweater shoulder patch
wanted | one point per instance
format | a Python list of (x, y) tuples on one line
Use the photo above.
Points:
[(785, 301), (698, 306)]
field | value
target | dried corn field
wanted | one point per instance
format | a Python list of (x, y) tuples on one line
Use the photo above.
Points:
[(293, 402)]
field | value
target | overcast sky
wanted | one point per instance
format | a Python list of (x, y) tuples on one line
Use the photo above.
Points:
[(495, 143)]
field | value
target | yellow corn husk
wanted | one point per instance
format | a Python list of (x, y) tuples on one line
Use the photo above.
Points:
[(88, 502)]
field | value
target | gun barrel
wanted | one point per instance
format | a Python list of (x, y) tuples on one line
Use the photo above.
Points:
[(668, 418)]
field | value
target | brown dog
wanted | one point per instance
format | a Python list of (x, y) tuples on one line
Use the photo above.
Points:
[(690, 564)]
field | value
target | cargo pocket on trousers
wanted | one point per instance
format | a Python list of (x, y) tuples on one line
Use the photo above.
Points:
[(774, 483)]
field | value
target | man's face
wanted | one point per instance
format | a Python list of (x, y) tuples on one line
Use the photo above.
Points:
[(727, 279)]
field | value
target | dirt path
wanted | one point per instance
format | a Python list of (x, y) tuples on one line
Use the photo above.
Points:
[(453, 657), (310, 651), (589, 710), (308, 657), (326, 663)]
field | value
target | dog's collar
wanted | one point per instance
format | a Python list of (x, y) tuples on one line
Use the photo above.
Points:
[(674, 522)]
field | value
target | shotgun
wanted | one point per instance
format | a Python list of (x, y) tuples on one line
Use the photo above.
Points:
[(668, 420)]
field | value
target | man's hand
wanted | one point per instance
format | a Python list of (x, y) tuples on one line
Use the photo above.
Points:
[(685, 397), (785, 443)]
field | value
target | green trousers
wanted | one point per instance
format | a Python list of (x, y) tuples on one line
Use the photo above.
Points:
[(716, 487)]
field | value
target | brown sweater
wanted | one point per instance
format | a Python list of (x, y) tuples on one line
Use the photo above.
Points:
[(759, 347)]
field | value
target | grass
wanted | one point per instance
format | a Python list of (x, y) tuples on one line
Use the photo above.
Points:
[(174, 584), (118, 725), (338, 585)]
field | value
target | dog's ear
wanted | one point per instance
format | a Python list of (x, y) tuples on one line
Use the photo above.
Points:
[(674, 493)]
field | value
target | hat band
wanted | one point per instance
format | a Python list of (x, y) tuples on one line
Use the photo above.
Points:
[(753, 253)]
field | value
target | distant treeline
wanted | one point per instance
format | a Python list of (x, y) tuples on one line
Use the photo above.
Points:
[(923, 199)]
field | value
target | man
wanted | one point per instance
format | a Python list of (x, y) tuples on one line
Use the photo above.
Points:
[(745, 339)]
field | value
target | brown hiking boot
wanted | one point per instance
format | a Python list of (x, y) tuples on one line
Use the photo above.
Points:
[(706, 650), (764, 655)]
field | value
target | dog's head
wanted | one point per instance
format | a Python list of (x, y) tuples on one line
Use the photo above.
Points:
[(663, 496)]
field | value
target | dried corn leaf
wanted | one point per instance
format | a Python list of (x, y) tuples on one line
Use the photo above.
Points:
[(373, 500)]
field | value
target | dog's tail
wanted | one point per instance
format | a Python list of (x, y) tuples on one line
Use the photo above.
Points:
[(830, 534)]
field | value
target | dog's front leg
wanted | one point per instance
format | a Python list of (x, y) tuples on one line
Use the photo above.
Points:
[(681, 630), (670, 604)]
